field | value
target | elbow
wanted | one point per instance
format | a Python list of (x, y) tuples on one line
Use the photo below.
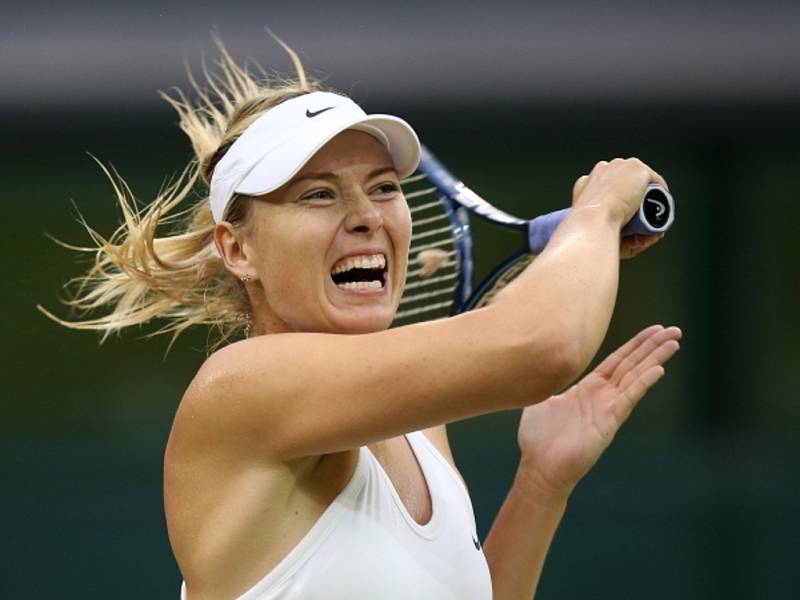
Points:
[(567, 361), (563, 363), (558, 360)]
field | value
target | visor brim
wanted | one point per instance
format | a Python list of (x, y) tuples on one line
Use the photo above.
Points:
[(285, 161)]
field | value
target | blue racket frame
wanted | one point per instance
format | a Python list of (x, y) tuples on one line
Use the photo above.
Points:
[(656, 215)]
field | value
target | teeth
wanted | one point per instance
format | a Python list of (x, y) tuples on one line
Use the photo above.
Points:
[(360, 285), (374, 261)]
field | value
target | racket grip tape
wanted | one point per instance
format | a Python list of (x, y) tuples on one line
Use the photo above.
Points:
[(655, 215)]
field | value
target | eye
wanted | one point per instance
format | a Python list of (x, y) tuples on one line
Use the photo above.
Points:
[(318, 195), (386, 189)]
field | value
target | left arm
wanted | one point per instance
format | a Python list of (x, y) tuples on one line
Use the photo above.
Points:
[(560, 439), (520, 537)]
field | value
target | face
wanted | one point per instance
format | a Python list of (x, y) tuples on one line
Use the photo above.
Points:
[(329, 249)]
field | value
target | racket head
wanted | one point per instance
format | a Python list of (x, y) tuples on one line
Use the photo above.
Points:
[(441, 265)]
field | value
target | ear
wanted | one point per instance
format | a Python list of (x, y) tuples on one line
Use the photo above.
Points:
[(232, 249)]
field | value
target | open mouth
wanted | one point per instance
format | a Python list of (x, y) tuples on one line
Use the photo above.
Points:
[(363, 272)]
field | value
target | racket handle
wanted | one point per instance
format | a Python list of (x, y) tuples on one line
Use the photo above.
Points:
[(655, 215)]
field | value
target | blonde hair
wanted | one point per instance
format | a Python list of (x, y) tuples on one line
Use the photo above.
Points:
[(143, 273)]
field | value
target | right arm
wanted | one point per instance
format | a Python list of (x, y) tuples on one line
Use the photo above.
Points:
[(304, 394)]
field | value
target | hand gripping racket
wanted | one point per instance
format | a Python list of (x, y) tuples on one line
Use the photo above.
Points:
[(441, 263)]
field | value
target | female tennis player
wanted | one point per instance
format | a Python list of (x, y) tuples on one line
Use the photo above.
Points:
[(310, 459)]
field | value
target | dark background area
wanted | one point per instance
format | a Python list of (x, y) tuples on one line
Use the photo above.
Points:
[(697, 498)]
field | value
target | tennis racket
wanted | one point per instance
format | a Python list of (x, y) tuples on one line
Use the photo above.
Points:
[(441, 264)]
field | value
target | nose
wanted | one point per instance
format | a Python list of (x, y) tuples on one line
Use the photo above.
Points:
[(363, 215)]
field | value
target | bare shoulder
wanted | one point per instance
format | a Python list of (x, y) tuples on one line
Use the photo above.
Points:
[(215, 405), (220, 496), (208, 442)]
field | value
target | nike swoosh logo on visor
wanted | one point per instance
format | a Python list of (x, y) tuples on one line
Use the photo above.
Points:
[(313, 114)]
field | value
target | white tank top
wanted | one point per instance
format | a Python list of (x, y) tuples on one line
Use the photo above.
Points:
[(367, 546)]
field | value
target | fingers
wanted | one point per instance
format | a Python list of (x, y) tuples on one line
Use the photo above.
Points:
[(579, 185), (610, 364), (634, 245), (657, 357), (655, 177), (639, 355), (638, 365), (636, 391), (618, 184)]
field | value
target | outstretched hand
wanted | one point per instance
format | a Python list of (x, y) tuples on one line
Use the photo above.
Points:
[(562, 437)]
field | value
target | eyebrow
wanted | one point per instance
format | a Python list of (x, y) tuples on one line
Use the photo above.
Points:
[(334, 177)]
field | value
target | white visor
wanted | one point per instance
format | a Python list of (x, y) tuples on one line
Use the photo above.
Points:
[(276, 146)]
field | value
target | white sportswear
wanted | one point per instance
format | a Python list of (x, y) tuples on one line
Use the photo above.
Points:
[(367, 546)]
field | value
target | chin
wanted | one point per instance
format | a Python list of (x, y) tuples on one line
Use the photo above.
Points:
[(364, 323)]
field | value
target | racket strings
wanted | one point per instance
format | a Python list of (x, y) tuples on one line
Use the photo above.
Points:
[(433, 267), (416, 208), (437, 233), (510, 273), (434, 219), (426, 192)]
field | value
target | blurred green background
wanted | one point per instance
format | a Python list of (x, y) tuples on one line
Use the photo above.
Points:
[(697, 498)]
